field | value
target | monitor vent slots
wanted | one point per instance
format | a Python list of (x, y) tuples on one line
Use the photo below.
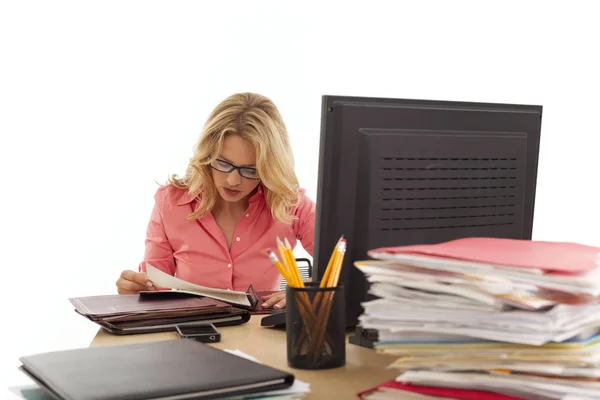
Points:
[(446, 193)]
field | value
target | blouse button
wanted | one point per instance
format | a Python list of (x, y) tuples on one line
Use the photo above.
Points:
[(237, 239), (228, 265)]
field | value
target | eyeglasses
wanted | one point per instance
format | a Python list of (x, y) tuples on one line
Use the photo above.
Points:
[(224, 166)]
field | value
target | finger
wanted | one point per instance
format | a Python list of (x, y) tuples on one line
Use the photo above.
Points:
[(129, 286), (138, 277), (280, 304), (274, 300), (123, 291), (268, 296)]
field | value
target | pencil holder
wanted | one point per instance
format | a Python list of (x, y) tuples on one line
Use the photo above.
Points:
[(316, 326)]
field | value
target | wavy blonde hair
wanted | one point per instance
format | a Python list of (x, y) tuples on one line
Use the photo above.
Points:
[(255, 118)]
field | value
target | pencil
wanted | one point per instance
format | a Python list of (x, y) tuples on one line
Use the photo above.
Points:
[(293, 264), (337, 268), (325, 277), (287, 263), (277, 264)]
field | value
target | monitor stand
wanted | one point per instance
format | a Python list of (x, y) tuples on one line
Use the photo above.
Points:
[(364, 337)]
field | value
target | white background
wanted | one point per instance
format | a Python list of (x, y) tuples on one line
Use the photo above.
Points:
[(98, 100)]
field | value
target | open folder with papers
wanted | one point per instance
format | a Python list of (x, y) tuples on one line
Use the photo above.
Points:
[(163, 280), (249, 300)]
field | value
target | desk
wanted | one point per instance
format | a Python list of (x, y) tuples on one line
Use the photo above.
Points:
[(364, 368)]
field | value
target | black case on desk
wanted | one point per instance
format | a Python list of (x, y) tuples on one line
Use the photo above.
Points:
[(188, 370), (275, 320)]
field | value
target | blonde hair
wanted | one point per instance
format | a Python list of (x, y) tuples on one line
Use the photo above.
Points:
[(255, 118)]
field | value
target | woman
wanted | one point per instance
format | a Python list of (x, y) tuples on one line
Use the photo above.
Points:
[(212, 227)]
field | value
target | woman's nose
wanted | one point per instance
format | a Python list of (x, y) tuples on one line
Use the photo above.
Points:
[(234, 178)]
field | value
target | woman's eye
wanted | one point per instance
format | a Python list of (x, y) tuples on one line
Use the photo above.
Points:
[(223, 164), (251, 172)]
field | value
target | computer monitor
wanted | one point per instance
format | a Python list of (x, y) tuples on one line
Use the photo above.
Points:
[(399, 172)]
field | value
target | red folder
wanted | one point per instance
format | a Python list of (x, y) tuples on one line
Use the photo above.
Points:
[(552, 257), (459, 394)]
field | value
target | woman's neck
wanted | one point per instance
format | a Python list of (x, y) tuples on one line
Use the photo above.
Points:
[(223, 207)]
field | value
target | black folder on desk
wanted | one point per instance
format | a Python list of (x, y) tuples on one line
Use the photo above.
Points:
[(173, 369)]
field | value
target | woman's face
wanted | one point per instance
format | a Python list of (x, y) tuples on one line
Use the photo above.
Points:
[(238, 184)]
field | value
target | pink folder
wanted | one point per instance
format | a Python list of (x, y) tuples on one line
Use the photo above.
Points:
[(459, 394), (552, 257)]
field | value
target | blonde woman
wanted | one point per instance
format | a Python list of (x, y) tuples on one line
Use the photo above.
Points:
[(212, 227)]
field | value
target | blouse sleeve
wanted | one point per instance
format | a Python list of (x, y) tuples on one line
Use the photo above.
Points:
[(159, 252), (304, 226)]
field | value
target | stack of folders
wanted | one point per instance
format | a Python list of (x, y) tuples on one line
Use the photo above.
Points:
[(145, 312), (485, 318)]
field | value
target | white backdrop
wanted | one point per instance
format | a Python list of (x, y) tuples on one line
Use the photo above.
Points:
[(98, 100)]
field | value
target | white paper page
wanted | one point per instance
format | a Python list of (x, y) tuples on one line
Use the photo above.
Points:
[(297, 387), (456, 290), (549, 369), (489, 283), (386, 393), (164, 280)]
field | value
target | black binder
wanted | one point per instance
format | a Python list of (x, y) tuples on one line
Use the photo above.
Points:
[(173, 369)]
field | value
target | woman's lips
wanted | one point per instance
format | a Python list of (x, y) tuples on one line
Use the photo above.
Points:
[(231, 192)]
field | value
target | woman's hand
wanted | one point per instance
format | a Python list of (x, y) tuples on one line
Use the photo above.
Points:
[(274, 300), (131, 282)]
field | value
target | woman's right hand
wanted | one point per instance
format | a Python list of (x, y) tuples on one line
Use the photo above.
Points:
[(132, 282)]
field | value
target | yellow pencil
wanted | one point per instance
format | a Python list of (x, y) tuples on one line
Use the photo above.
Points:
[(285, 262), (330, 264), (293, 265), (281, 268), (337, 268)]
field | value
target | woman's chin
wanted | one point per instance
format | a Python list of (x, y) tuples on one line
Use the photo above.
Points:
[(230, 197)]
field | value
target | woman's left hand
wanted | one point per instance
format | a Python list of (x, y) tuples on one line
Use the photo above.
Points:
[(274, 300)]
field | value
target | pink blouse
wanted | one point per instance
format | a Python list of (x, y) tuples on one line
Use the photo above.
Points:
[(196, 250)]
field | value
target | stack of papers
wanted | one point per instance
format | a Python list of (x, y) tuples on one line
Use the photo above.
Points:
[(513, 317)]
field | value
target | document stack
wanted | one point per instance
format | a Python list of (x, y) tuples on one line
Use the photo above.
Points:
[(487, 318)]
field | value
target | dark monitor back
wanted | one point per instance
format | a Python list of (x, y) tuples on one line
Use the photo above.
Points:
[(397, 172)]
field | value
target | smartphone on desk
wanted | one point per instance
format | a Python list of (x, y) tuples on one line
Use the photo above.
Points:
[(200, 331)]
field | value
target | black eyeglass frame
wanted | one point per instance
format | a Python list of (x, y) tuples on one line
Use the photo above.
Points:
[(233, 168)]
